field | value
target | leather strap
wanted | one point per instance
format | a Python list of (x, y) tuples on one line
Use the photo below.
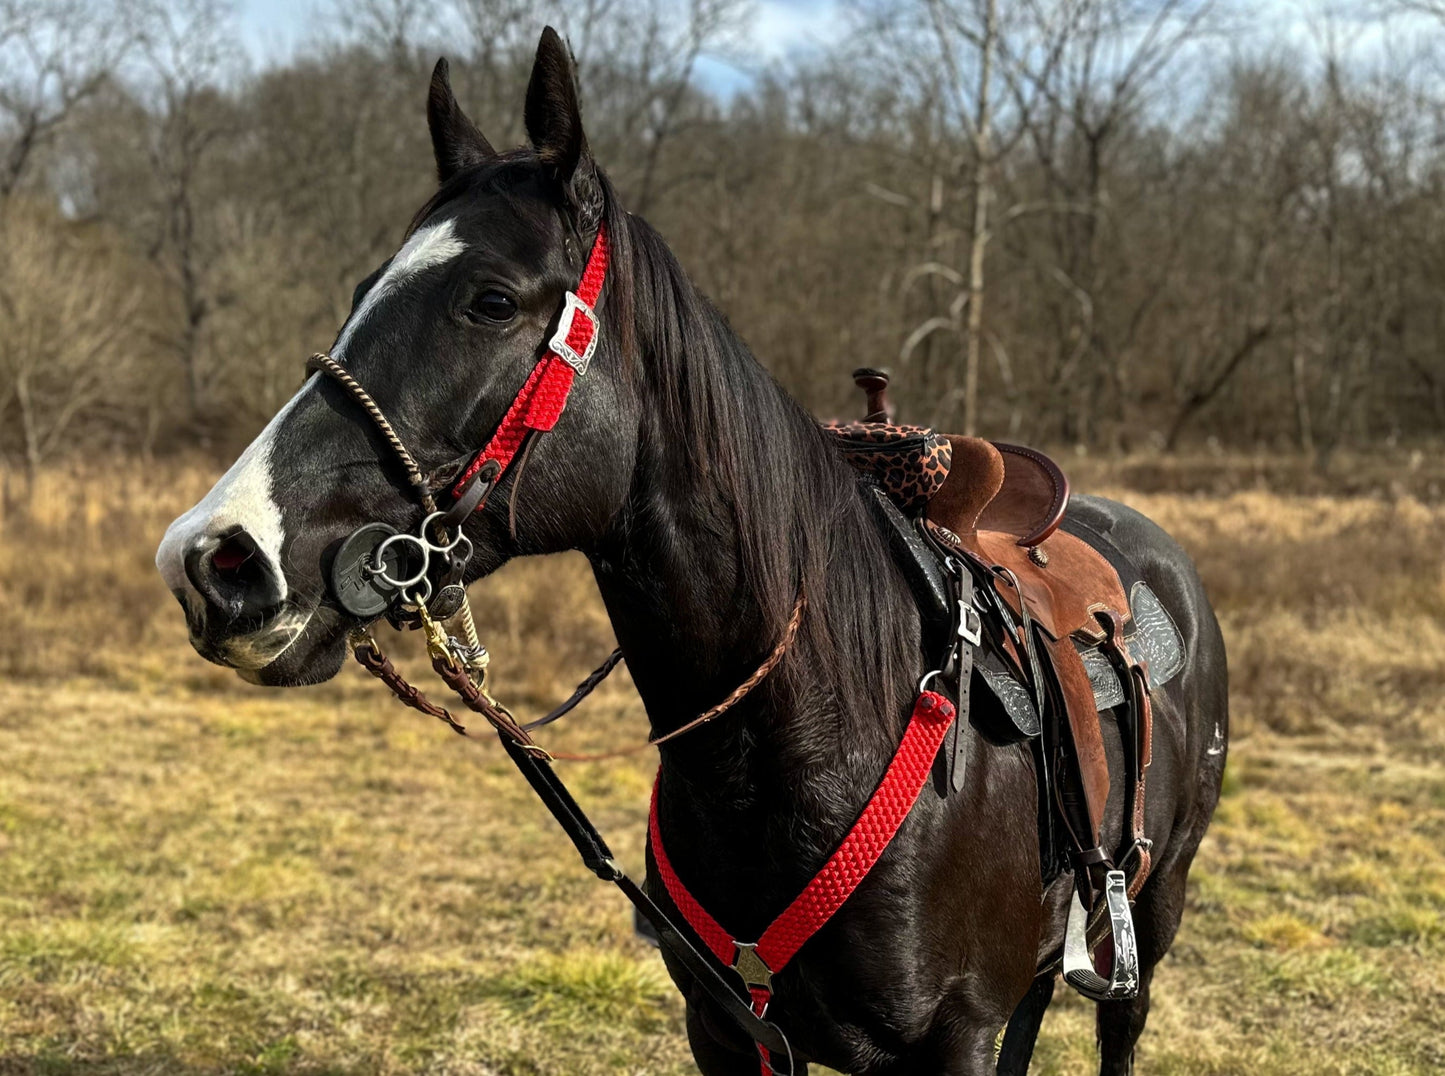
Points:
[(943, 593), (1078, 698), (955, 744), (1138, 744)]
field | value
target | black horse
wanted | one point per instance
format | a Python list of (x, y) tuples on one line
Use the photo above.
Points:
[(704, 497)]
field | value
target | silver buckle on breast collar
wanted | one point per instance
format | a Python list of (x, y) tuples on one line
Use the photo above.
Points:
[(571, 307), (970, 624)]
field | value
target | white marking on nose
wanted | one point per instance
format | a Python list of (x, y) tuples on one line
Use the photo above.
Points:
[(242, 498), (433, 245)]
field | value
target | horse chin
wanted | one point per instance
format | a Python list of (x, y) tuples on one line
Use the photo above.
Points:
[(296, 648), (311, 659)]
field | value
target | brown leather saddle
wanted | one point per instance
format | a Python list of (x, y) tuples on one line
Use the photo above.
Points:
[(999, 508)]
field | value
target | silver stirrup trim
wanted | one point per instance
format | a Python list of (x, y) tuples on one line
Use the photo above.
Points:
[(1123, 981)]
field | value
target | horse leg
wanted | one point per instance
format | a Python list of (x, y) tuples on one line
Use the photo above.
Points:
[(1119, 1026), (972, 1054), (1023, 1028)]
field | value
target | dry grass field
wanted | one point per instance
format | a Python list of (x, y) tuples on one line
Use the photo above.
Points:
[(197, 876)]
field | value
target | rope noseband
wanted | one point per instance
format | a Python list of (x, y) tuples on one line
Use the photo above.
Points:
[(324, 363)]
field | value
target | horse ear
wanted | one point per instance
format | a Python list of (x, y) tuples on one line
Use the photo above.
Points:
[(554, 121), (454, 138)]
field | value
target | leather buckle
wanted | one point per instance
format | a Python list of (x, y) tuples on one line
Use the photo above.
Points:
[(559, 345)]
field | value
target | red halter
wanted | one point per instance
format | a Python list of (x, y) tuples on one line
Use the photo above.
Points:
[(540, 401), (894, 797)]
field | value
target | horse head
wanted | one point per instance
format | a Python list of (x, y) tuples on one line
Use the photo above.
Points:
[(443, 335)]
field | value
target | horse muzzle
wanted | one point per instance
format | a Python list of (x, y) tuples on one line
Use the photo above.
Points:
[(234, 596)]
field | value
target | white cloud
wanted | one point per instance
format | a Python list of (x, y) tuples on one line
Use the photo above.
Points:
[(785, 27)]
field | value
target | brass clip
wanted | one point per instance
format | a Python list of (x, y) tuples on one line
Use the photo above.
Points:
[(437, 643)]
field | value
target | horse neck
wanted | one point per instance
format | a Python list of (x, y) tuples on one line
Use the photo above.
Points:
[(737, 504)]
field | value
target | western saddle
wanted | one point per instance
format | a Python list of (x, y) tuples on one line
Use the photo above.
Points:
[(996, 515)]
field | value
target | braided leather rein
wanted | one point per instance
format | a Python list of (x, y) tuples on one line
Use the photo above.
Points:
[(474, 695)]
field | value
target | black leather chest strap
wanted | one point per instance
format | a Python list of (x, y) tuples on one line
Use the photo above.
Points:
[(729, 996)]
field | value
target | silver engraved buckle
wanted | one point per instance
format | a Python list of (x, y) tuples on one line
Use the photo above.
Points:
[(571, 307), (970, 624)]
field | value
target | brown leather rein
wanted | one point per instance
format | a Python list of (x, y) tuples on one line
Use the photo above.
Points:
[(473, 693)]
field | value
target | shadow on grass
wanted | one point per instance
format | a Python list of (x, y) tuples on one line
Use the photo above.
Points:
[(162, 1063), (277, 1057)]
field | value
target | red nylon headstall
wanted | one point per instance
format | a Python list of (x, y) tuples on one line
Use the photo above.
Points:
[(543, 396)]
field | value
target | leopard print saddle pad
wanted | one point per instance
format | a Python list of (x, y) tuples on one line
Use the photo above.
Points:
[(908, 462)]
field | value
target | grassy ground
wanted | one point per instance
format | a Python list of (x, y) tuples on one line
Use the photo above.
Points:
[(198, 877)]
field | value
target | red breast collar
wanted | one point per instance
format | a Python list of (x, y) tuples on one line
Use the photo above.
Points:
[(757, 962), (542, 398)]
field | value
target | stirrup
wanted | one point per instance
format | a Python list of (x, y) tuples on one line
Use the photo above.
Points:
[(1123, 980)]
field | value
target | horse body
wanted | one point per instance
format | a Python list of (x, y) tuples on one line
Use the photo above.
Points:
[(928, 959), (705, 499)]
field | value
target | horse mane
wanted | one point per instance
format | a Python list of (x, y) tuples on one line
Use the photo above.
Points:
[(795, 501), (747, 444)]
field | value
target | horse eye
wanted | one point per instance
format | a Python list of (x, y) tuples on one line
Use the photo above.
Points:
[(492, 305)]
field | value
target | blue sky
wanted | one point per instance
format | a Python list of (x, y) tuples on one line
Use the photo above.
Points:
[(778, 28), (276, 27)]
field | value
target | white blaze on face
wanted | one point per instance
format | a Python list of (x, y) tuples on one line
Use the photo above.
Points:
[(432, 245), (242, 498), (245, 496)]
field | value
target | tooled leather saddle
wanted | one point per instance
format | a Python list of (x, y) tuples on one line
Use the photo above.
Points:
[(1067, 632)]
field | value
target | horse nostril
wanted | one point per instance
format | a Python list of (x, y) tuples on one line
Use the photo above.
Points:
[(233, 574), (231, 557), (241, 570)]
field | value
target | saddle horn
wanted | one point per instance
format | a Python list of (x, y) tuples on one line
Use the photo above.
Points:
[(874, 384)]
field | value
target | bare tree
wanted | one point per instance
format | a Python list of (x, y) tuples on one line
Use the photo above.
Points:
[(981, 33), (1087, 66), (1002, 194), (637, 61), (67, 326), (396, 29), (952, 52), (1419, 7), (188, 47), (54, 54)]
